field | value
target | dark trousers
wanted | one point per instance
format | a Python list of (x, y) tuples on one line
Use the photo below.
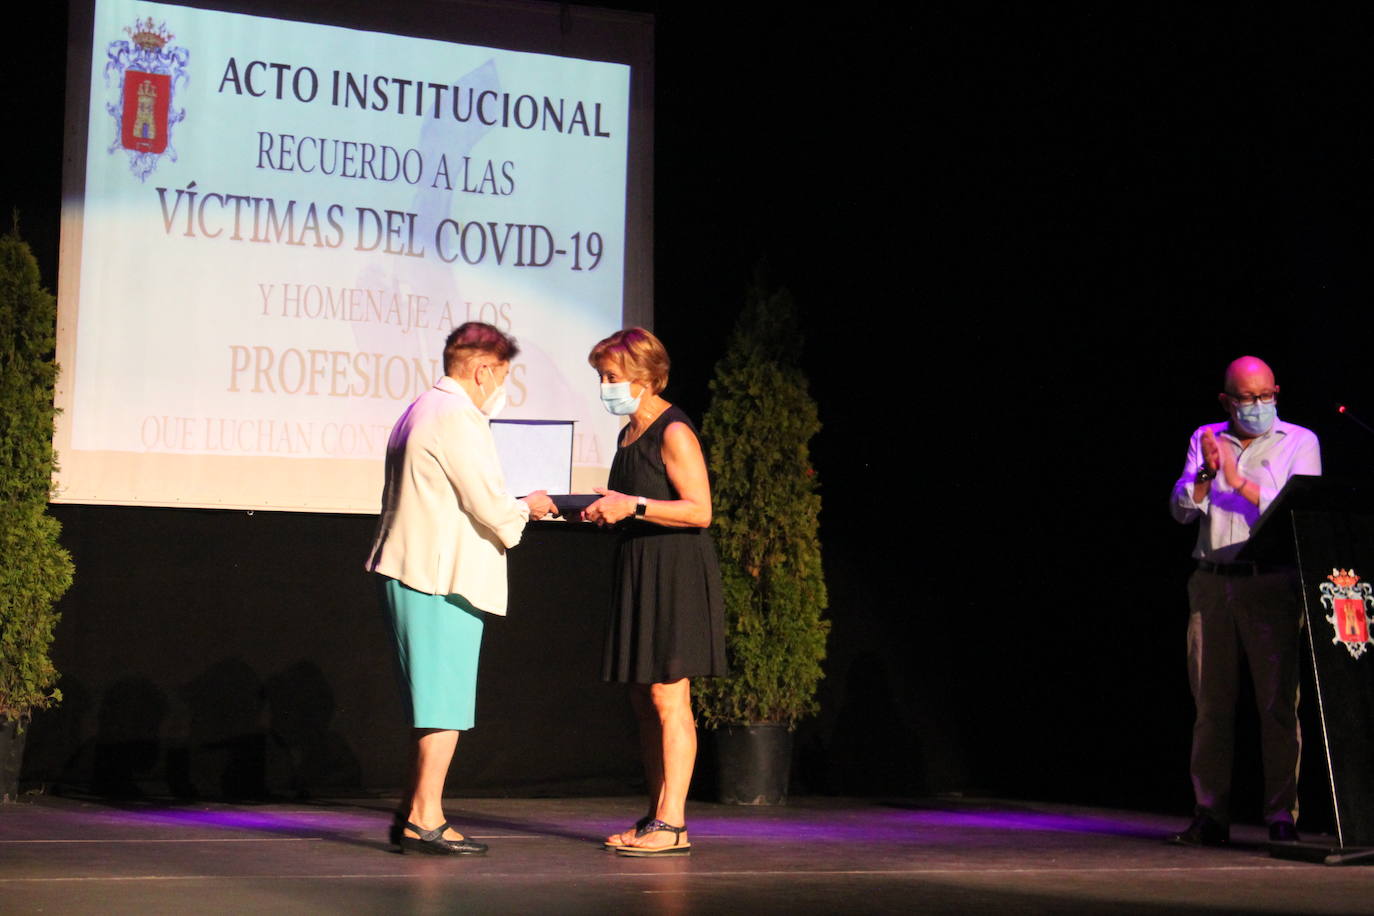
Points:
[(1257, 617)]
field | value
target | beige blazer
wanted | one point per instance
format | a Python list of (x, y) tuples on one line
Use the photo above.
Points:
[(447, 519)]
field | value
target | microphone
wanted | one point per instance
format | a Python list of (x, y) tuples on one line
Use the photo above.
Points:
[(1346, 412)]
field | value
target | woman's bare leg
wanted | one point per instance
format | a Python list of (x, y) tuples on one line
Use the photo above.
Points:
[(676, 752), (431, 755), (651, 750)]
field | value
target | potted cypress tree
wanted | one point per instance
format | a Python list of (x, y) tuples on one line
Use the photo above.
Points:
[(766, 515), (35, 571)]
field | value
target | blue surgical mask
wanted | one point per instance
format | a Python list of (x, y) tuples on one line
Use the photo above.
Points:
[(616, 398), (1256, 419)]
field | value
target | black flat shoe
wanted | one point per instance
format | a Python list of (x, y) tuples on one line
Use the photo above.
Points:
[(432, 842), (1203, 831), (1283, 832)]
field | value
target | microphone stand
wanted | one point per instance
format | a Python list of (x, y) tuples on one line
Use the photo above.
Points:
[(1345, 412)]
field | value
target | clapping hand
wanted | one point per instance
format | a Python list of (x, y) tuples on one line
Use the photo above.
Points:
[(1221, 460), (1211, 452)]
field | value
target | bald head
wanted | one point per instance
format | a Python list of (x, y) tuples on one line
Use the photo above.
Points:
[(1248, 375), (1249, 397)]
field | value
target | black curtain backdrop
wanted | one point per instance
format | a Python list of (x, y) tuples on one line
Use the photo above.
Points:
[(244, 655), (1026, 243)]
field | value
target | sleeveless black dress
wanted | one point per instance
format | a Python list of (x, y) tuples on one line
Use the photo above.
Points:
[(667, 611)]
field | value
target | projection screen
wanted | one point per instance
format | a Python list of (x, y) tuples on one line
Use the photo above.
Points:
[(270, 226)]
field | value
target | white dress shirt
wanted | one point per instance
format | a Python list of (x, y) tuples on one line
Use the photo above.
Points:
[(447, 518), (1227, 516)]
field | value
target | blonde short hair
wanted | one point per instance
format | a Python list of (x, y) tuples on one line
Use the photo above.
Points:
[(639, 352)]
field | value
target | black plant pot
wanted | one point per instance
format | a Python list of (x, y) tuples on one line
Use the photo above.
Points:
[(11, 757), (753, 763)]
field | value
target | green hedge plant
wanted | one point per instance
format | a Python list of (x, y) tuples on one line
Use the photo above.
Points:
[(34, 569), (766, 514)]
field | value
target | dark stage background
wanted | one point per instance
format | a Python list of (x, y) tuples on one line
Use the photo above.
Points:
[(1025, 243)]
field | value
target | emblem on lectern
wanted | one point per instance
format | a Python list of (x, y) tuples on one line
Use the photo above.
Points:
[(1346, 597), (147, 69)]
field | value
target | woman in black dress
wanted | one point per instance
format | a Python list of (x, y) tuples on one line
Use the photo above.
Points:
[(667, 615)]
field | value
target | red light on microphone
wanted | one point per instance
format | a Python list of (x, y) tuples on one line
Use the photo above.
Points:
[(1340, 408)]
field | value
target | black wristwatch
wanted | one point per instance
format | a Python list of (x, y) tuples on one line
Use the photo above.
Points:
[(641, 507), (1203, 473)]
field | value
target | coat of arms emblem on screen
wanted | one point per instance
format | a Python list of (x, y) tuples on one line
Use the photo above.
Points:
[(148, 70), (1346, 597)]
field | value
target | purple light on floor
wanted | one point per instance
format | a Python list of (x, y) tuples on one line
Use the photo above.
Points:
[(1027, 820), (818, 827), (897, 824), (235, 819), (883, 824)]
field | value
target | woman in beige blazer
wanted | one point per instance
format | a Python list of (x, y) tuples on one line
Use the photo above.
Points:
[(446, 523)]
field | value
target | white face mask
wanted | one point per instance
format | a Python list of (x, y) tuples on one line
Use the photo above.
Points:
[(496, 401), (616, 398)]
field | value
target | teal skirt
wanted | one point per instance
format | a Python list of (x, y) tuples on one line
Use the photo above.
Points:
[(437, 639)]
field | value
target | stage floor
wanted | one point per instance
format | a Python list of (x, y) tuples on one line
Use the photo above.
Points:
[(63, 855)]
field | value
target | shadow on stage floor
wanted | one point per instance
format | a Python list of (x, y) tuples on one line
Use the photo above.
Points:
[(812, 856)]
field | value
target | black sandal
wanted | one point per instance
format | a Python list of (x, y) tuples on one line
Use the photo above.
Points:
[(432, 842), (657, 826), (639, 825)]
